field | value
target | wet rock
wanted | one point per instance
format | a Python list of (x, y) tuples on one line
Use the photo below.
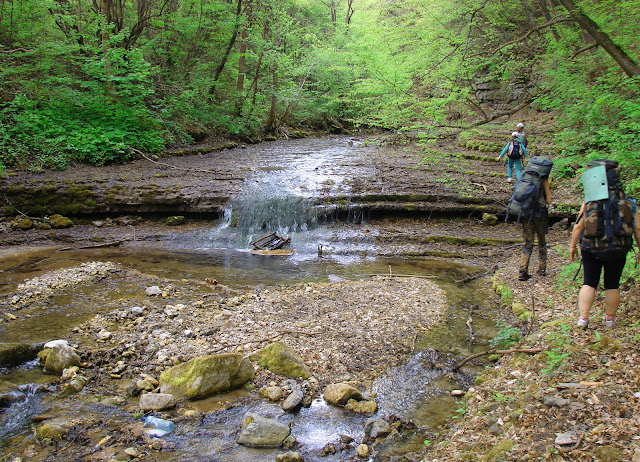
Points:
[(457, 393), (53, 430), (75, 385), (362, 407), (375, 428), (363, 451), (289, 442), (157, 401), (70, 372), (132, 452), (293, 401), (609, 454), (204, 376), (346, 438), (329, 449), (290, 456), (14, 354), (281, 360), (272, 393), (341, 393), (59, 222), (261, 432), (57, 356)]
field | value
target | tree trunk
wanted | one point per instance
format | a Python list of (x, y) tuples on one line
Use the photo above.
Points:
[(547, 16), (271, 118), (242, 50), (627, 64), (104, 36), (232, 41)]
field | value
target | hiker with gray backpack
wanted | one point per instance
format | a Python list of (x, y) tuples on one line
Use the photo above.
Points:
[(606, 226), (528, 204)]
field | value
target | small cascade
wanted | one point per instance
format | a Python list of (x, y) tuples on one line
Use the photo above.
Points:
[(21, 405), (265, 214)]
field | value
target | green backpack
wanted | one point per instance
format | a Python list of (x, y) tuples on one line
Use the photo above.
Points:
[(608, 222)]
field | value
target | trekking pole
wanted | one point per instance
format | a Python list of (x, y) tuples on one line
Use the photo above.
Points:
[(578, 272)]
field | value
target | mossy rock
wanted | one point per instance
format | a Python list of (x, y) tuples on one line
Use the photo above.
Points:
[(489, 219), (23, 223), (175, 220), (57, 221), (500, 448), (14, 354), (207, 375), (281, 360)]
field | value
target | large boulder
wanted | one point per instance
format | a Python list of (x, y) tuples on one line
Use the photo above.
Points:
[(14, 354), (281, 360), (341, 393), (204, 376), (57, 356), (261, 432)]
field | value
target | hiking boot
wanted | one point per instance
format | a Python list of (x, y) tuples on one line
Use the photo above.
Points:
[(509, 179), (609, 321), (583, 323), (542, 272), (524, 276)]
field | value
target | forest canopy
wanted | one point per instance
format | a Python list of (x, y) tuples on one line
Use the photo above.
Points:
[(93, 80)]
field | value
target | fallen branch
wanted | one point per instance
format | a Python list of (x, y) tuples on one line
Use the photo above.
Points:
[(477, 276), (562, 450), (495, 352), (264, 339), (95, 246), (401, 276), (481, 185)]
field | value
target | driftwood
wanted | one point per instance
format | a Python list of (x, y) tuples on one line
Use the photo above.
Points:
[(95, 246), (495, 352), (401, 276)]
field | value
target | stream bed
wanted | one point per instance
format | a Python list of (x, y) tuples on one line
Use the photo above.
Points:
[(417, 393)]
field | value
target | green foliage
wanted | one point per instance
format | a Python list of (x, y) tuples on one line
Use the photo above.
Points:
[(506, 336)]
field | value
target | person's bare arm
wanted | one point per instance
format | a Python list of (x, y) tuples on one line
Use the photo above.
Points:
[(547, 191), (575, 235)]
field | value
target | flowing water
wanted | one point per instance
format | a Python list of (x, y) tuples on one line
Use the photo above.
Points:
[(281, 197)]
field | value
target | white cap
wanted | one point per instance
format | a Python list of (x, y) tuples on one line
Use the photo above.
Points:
[(520, 125), (514, 135)]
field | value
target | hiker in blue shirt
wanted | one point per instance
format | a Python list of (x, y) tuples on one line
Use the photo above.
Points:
[(516, 155)]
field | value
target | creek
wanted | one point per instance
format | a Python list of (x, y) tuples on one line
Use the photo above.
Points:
[(279, 198)]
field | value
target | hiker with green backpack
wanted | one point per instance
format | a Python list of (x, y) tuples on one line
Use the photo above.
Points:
[(516, 154), (528, 204), (606, 226)]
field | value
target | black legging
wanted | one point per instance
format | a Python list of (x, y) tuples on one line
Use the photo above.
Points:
[(613, 265)]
